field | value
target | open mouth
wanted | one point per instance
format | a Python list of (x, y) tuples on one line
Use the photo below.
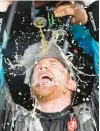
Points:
[(45, 79)]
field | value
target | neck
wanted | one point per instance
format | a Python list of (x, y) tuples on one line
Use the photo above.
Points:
[(56, 105)]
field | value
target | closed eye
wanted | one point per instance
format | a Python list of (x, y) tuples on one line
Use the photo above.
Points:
[(53, 64)]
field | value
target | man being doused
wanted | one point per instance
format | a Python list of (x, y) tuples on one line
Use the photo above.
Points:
[(53, 88), (53, 85)]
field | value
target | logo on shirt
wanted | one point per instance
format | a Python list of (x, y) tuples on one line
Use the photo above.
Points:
[(72, 124)]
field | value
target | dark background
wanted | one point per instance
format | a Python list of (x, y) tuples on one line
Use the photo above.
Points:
[(24, 33)]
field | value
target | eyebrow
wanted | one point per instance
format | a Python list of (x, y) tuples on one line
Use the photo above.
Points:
[(53, 61)]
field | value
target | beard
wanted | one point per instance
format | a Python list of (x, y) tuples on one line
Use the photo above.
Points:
[(47, 93)]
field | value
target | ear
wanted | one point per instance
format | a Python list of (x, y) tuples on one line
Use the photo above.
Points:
[(72, 85)]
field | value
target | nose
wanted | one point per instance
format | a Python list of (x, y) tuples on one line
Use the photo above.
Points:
[(43, 67)]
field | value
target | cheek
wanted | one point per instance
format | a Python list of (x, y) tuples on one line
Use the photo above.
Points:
[(34, 79), (61, 75), (72, 85)]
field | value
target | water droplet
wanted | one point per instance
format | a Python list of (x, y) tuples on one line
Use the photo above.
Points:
[(78, 90)]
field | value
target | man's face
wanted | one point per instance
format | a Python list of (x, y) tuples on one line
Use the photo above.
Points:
[(49, 77)]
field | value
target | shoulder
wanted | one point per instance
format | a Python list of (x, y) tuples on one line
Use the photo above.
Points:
[(83, 112), (85, 117)]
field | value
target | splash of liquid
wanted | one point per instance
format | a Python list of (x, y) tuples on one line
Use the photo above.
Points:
[(41, 22), (44, 42)]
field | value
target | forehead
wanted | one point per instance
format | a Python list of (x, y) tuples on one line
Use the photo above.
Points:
[(50, 59)]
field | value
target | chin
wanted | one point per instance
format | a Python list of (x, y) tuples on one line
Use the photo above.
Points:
[(47, 93), (43, 91)]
